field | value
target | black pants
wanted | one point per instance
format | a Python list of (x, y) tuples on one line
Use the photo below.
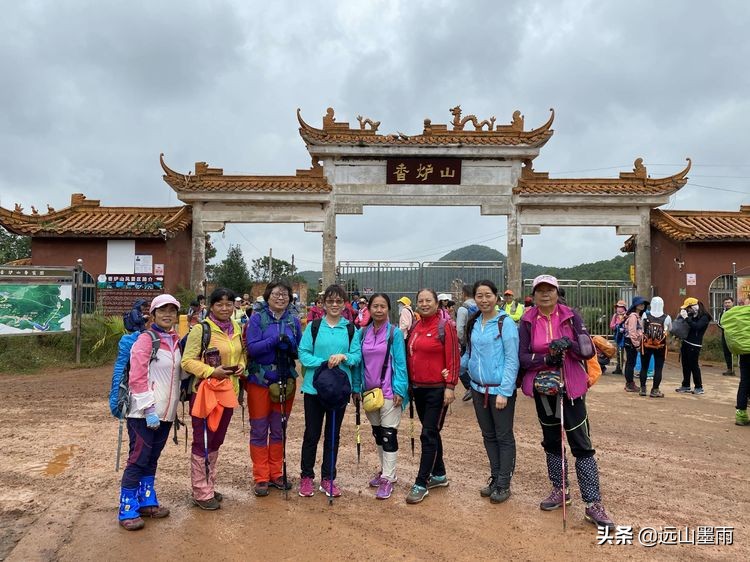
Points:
[(689, 357), (659, 356), (577, 431), (727, 353), (631, 353), (743, 391), (315, 414), (497, 433), (431, 412)]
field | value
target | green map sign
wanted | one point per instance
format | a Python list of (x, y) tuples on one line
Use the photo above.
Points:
[(34, 304)]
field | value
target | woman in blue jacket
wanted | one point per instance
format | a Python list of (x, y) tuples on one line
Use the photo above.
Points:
[(492, 361), (383, 371), (337, 343)]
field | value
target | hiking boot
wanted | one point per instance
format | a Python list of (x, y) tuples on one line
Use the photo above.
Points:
[(218, 497), (487, 490), (261, 489), (617, 371), (437, 481), (630, 387), (154, 511), (728, 373), (683, 390), (209, 505), (384, 490), (554, 500), (596, 514), (306, 487), (375, 482), (279, 483), (656, 393), (467, 395), (499, 496), (741, 418), (698, 391), (642, 391), (330, 488), (417, 494), (132, 524)]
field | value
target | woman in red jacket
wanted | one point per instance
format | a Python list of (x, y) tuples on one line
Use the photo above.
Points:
[(433, 362)]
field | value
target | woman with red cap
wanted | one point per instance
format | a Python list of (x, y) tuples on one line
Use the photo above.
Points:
[(154, 385)]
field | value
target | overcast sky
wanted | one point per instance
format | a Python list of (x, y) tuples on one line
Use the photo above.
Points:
[(93, 91)]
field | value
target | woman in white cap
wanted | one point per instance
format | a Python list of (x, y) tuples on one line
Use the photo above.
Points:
[(695, 314), (552, 358), (154, 392)]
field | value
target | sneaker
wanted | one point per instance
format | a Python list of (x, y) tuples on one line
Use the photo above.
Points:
[(741, 418), (209, 505), (417, 494), (437, 481), (279, 483), (467, 395), (554, 500), (486, 491), (596, 514), (683, 390), (698, 391), (656, 393), (261, 489), (642, 391), (384, 490), (499, 496), (218, 496), (375, 482), (630, 387), (306, 487), (133, 524), (728, 373), (325, 486)]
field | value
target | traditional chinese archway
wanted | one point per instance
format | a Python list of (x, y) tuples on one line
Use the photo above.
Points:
[(489, 166)]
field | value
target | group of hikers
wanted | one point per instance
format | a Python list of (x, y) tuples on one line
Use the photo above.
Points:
[(382, 368)]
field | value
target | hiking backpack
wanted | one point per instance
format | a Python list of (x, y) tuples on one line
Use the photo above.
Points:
[(621, 333), (315, 328), (654, 336), (119, 392), (186, 385), (127, 321)]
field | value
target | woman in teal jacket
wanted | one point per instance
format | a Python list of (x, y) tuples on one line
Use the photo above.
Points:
[(492, 361), (383, 367), (337, 343)]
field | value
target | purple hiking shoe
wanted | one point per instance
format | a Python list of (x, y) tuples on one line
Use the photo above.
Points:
[(384, 490), (596, 514), (554, 500)]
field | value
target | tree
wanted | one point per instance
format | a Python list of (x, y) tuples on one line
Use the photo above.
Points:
[(210, 254), (282, 270), (232, 272), (13, 247)]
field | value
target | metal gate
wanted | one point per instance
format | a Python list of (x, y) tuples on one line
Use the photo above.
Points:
[(594, 299)]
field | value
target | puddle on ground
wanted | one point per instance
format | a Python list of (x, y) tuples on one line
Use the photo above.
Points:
[(59, 462)]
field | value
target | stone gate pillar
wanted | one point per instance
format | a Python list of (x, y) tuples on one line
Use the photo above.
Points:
[(643, 254), (198, 270), (329, 246), (514, 254)]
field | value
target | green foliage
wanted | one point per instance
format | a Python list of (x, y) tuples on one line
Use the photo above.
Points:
[(185, 296), (282, 271), (13, 247), (232, 272), (475, 252)]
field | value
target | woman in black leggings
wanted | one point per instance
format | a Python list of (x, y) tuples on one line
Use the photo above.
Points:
[(695, 314)]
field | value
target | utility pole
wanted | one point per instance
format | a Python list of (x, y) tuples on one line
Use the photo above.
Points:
[(270, 264)]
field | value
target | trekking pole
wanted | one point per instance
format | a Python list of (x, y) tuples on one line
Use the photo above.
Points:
[(411, 420), (241, 400), (119, 443), (205, 444), (282, 403), (562, 446), (333, 456), (358, 436)]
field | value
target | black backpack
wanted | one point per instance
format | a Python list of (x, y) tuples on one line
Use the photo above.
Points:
[(315, 328), (654, 336), (186, 385)]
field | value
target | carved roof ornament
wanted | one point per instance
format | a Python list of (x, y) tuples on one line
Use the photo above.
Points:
[(636, 182), (367, 121), (50, 209), (485, 132), (34, 211), (213, 180), (18, 209)]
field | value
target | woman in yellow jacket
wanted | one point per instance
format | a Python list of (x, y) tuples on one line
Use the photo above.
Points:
[(223, 360)]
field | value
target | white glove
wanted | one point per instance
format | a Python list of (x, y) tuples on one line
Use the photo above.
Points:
[(683, 313)]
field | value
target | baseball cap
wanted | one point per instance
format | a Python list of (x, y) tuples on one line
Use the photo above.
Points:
[(621, 303), (405, 301), (539, 279), (237, 298), (444, 297), (163, 300), (690, 301), (508, 292)]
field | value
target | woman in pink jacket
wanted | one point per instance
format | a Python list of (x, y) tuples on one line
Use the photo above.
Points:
[(544, 330), (633, 339), (154, 393)]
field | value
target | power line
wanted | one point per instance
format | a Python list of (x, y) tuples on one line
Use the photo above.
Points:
[(746, 192)]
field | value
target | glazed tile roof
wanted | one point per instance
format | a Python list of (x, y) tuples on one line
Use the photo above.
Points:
[(86, 217), (207, 179), (700, 226), (19, 263), (334, 133), (636, 182)]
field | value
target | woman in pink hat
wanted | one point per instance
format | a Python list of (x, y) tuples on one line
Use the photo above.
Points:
[(154, 392), (621, 309)]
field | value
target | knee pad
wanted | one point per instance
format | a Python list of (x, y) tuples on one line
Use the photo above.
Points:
[(390, 439), (377, 432)]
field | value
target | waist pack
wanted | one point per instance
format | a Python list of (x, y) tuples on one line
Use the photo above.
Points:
[(274, 390), (736, 325), (373, 400), (548, 383)]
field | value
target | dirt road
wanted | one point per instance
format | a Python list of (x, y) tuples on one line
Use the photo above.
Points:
[(679, 461)]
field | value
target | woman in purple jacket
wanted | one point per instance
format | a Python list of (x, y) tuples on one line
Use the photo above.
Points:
[(542, 330), (273, 335)]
